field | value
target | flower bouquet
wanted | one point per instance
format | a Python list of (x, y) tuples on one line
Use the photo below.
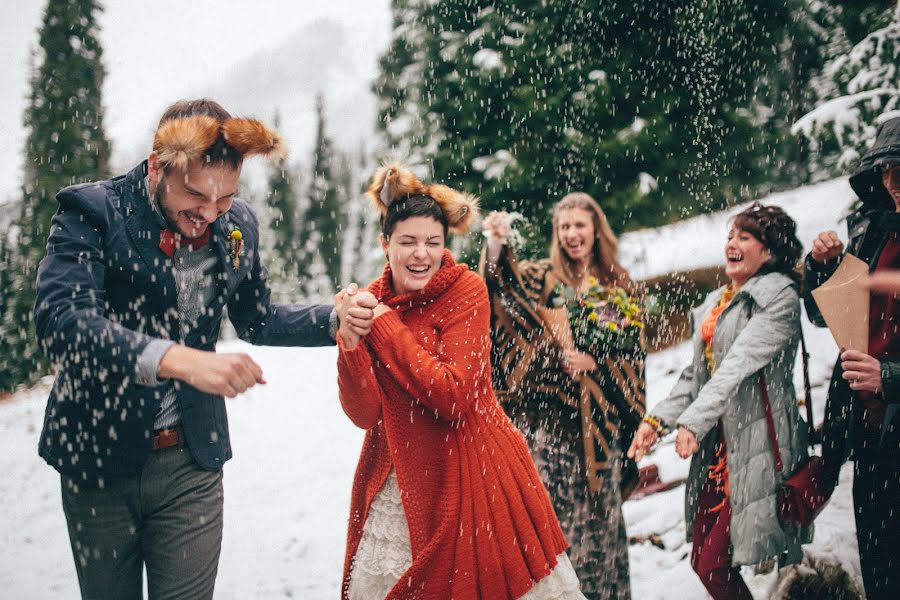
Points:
[(602, 317)]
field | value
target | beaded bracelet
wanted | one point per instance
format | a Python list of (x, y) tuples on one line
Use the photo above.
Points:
[(655, 423)]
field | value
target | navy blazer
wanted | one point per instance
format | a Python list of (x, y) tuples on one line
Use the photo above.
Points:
[(104, 291)]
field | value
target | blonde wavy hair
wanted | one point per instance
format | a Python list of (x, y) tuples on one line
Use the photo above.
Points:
[(605, 252)]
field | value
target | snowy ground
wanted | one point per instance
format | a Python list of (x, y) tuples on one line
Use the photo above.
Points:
[(287, 493), (287, 489)]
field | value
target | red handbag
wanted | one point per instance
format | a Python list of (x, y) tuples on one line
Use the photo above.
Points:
[(803, 495)]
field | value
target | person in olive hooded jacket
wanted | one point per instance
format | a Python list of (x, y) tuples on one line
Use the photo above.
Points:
[(861, 415)]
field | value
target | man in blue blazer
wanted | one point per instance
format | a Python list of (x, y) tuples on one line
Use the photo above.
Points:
[(130, 300)]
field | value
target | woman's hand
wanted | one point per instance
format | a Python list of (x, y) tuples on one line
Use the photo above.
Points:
[(686, 442), (644, 439), (496, 225), (575, 363), (862, 371), (495, 228), (355, 314), (827, 246), (381, 309)]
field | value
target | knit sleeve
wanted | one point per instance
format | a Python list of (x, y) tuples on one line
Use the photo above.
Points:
[(451, 381), (358, 389)]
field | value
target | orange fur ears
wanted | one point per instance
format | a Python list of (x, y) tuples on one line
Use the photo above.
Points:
[(179, 141), (392, 182)]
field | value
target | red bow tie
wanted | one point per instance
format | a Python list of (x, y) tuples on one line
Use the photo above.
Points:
[(169, 241)]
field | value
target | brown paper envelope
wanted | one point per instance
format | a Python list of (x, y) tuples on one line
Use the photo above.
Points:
[(843, 301), (557, 320)]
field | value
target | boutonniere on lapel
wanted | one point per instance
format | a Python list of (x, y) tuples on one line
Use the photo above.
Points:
[(235, 247)]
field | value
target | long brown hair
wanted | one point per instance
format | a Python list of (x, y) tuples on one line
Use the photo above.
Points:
[(604, 253)]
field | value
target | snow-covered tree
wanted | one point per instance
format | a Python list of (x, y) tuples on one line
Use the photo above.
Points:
[(642, 105), (319, 265), (281, 204), (858, 89), (66, 144)]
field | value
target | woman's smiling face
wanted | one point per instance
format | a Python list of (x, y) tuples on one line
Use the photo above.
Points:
[(414, 251), (575, 229), (744, 255)]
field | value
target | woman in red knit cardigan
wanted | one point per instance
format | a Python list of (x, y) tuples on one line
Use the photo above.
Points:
[(446, 500)]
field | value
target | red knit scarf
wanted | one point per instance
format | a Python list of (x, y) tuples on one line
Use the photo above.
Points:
[(449, 272)]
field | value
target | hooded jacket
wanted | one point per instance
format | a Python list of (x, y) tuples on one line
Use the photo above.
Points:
[(867, 239)]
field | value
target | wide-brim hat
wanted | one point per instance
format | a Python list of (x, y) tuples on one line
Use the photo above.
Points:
[(866, 181)]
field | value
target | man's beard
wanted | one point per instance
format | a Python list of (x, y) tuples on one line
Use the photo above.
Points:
[(171, 218)]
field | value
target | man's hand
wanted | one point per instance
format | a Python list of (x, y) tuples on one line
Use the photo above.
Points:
[(227, 374), (686, 442), (355, 314), (861, 370), (575, 363), (644, 439), (382, 309), (885, 282), (827, 246)]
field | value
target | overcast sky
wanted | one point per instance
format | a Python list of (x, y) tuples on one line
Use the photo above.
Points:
[(155, 51)]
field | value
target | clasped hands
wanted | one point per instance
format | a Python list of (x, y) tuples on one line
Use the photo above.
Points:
[(233, 373), (356, 310), (646, 437)]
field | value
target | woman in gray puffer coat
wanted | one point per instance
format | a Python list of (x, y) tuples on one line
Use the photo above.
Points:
[(750, 326)]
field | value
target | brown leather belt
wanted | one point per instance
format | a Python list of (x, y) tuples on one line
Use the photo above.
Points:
[(165, 438)]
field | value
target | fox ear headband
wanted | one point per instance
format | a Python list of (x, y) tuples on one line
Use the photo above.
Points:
[(179, 141), (393, 182)]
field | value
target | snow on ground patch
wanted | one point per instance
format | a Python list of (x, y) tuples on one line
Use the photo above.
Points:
[(287, 494)]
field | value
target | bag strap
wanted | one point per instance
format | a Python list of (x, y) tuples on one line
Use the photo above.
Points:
[(807, 389), (770, 422)]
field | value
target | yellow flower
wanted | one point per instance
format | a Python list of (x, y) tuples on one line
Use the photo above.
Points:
[(612, 326), (592, 281), (638, 324), (593, 317)]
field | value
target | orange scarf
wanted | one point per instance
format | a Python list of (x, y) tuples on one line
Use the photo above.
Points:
[(708, 326), (718, 470)]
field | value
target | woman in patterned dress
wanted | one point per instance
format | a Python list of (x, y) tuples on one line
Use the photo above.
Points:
[(577, 407)]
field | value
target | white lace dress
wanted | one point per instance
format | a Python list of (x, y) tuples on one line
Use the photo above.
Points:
[(384, 554)]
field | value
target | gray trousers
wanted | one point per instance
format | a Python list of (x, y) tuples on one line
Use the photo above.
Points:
[(168, 517)]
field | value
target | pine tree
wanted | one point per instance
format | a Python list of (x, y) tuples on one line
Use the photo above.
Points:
[(351, 209), (323, 222), (858, 89), (644, 106), (282, 204), (369, 259), (66, 144), (8, 375)]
